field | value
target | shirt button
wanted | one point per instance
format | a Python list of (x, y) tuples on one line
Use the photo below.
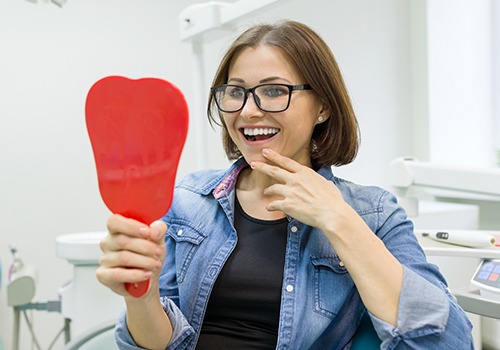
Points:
[(294, 229), (180, 232), (289, 288), (212, 272), (341, 264)]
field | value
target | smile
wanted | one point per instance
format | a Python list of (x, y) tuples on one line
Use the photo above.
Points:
[(257, 134)]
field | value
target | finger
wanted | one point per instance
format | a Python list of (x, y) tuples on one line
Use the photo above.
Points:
[(277, 190), (121, 242), (282, 161), (158, 230), (277, 205), (128, 259), (275, 172), (116, 277), (120, 224)]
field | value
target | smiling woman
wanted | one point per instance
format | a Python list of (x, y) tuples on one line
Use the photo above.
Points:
[(269, 109), (316, 64), (335, 254)]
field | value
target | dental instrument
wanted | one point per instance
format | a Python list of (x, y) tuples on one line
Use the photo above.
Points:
[(465, 238)]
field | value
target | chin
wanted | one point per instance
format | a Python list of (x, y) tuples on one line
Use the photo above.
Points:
[(254, 158)]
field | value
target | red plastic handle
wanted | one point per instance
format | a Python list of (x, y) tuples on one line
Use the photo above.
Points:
[(137, 289)]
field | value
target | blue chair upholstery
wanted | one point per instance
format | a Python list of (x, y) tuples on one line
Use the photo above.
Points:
[(366, 338)]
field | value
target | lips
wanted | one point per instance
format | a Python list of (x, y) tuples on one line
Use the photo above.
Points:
[(259, 134)]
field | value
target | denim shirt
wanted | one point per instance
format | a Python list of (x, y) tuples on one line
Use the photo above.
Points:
[(201, 236)]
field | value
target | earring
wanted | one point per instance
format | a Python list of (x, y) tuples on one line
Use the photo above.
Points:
[(320, 119)]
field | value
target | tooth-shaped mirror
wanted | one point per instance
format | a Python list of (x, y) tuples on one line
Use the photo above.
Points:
[(137, 130)]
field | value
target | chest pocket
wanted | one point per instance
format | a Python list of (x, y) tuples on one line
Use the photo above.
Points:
[(332, 284), (187, 241)]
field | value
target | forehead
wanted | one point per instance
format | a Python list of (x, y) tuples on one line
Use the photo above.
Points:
[(253, 64)]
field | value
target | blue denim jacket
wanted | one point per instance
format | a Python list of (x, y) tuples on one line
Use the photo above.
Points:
[(201, 236)]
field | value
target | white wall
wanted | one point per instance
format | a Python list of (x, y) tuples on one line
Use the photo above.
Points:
[(460, 89), (49, 58), (495, 11)]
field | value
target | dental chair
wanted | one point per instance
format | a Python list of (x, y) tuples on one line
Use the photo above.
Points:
[(366, 338), (99, 338)]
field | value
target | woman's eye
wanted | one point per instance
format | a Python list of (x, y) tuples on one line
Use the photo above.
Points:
[(236, 92), (275, 91)]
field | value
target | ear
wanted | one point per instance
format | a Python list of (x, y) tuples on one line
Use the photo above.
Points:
[(324, 113)]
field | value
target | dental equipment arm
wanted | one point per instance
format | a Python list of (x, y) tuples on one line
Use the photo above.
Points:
[(407, 172), (198, 19)]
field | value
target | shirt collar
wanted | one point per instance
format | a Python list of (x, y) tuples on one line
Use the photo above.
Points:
[(228, 183)]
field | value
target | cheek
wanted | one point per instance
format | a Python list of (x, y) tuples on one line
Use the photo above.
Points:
[(229, 125), (307, 119)]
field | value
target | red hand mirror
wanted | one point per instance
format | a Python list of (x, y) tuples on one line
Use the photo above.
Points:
[(137, 129)]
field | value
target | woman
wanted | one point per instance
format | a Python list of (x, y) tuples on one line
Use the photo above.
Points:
[(277, 252)]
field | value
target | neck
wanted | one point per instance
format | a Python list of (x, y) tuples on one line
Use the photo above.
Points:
[(251, 180)]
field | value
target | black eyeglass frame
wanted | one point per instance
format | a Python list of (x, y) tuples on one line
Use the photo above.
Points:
[(291, 88)]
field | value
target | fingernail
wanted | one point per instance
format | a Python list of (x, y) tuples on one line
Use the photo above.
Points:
[(252, 164), (265, 152), (156, 232)]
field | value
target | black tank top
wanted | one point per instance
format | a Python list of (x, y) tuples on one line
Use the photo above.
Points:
[(244, 306)]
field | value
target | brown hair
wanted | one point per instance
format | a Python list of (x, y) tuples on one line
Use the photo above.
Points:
[(335, 141)]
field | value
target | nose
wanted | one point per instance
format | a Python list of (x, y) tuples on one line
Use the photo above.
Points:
[(250, 109)]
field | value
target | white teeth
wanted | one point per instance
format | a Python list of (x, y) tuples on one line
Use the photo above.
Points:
[(260, 131)]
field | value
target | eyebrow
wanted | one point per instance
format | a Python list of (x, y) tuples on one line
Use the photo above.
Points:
[(262, 81)]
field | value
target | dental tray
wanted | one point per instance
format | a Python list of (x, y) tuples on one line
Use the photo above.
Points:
[(472, 301)]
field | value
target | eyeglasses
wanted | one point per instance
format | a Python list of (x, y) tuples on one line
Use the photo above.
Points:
[(268, 97)]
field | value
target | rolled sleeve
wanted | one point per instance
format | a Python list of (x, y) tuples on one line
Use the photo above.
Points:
[(122, 335), (417, 316), (181, 328)]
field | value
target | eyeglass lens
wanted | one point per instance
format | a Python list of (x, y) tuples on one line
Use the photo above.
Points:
[(268, 97)]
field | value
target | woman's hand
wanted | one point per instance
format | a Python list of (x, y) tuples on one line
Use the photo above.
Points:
[(132, 252), (308, 197), (304, 195)]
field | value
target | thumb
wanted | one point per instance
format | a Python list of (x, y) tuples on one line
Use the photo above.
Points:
[(158, 230)]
